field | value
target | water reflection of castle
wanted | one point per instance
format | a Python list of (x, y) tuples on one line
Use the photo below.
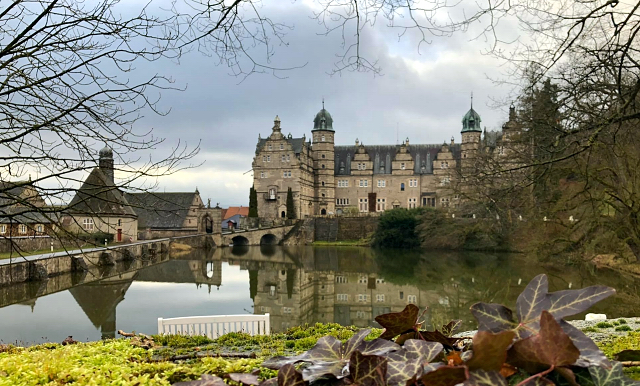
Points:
[(308, 285)]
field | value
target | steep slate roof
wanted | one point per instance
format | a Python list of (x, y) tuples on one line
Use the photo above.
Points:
[(234, 210), (12, 193), (296, 143), (98, 195), (161, 210), (420, 153), (24, 215)]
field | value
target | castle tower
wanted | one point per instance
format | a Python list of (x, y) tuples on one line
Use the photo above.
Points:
[(471, 133), (323, 162), (106, 162)]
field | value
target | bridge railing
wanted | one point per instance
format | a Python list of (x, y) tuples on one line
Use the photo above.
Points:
[(215, 325)]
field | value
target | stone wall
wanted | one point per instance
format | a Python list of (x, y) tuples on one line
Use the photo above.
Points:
[(332, 229), (28, 244)]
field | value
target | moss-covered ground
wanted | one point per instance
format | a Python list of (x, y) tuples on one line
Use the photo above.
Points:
[(118, 362)]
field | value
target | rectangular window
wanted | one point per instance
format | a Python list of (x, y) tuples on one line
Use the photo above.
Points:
[(362, 166), (23, 228), (363, 297), (379, 281), (270, 147), (268, 158), (281, 146), (402, 166), (380, 298), (3, 229), (39, 228), (342, 201), (412, 299), (87, 224), (263, 175), (413, 183), (283, 158), (343, 183), (342, 297), (287, 310), (341, 279), (363, 183), (382, 205), (401, 295), (413, 202), (362, 280), (364, 205), (284, 174), (288, 159), (382, 183), (264, 158)]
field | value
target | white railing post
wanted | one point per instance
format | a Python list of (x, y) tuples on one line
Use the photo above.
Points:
[(160, 327)]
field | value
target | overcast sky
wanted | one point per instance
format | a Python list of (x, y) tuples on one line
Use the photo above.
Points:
[(421, 95)]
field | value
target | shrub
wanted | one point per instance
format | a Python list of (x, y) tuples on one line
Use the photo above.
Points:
[(397, 228), (624, 327), (604, 325)]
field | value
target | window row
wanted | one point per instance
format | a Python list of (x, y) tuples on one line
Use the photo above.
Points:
[(21, 229), (342, 201), (379, 297), (286, 174), (343, 183)]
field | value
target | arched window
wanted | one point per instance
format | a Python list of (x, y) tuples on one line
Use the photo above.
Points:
[(323, 166), (322, 183), (323, 212), (283, 214)]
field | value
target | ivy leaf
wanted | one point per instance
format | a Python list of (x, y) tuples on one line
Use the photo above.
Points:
[(244, 378), (550, 347), (437, 336), (485, 378), (611, 376), (590, 354), (396, 323), (367, 370), (628, 355), (289, 376), (404, 366), (331, 357), (537, 381), (571, 302), (445, 376), (451, 327), (493, 317), (490, 350), (270, 382), (205, 380)]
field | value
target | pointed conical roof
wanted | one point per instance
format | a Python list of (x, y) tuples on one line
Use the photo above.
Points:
[(471, 121)]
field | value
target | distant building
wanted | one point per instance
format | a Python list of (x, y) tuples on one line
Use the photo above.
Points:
[(173, 214), (99, 206), (21, 211), (233, 216), (331, 180)]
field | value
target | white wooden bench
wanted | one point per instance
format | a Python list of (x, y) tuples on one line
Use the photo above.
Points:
[(215, 325)]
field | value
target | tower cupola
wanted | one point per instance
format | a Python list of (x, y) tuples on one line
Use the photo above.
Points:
[(471, 120), (105, 162), (323, 120)]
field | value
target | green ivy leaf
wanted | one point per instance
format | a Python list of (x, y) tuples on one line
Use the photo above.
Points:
[(493, 317), (396, 323), (445, 376), (490, 350), (550, 347), (404, 366), (437, 336), (611, 376), (590, 354), (485, 378), (571, 302), (289, 376), (367, 370)]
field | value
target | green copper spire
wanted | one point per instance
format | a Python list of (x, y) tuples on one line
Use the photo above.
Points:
[(471, 120)]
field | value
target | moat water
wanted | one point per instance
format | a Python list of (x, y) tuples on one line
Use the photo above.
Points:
[(295, 285)]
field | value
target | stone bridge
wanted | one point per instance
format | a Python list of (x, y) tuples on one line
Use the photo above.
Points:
[(261, 236)]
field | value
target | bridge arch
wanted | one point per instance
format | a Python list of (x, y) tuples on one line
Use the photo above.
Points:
[(240, 240), (268, 239)]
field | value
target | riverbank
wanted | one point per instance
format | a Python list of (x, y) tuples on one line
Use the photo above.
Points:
[(170, 359)]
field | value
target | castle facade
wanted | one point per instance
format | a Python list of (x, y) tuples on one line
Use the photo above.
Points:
[(326, 179)]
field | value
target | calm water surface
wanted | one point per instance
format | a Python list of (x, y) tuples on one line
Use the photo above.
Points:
[(296, 285)]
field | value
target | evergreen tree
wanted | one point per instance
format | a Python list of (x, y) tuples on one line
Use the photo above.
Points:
[(253, 202), (291, 209)]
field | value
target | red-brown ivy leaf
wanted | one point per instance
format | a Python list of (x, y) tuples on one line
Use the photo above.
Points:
[(269, 382), (396, 323), (445, 376), (437, 336), (289, 376), (451, 327), (244, 378), (367, 370), (485, 378), (490, 350), (205, 380), (550, 347)]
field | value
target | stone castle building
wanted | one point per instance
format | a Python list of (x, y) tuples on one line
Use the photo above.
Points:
[(326, 179)]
